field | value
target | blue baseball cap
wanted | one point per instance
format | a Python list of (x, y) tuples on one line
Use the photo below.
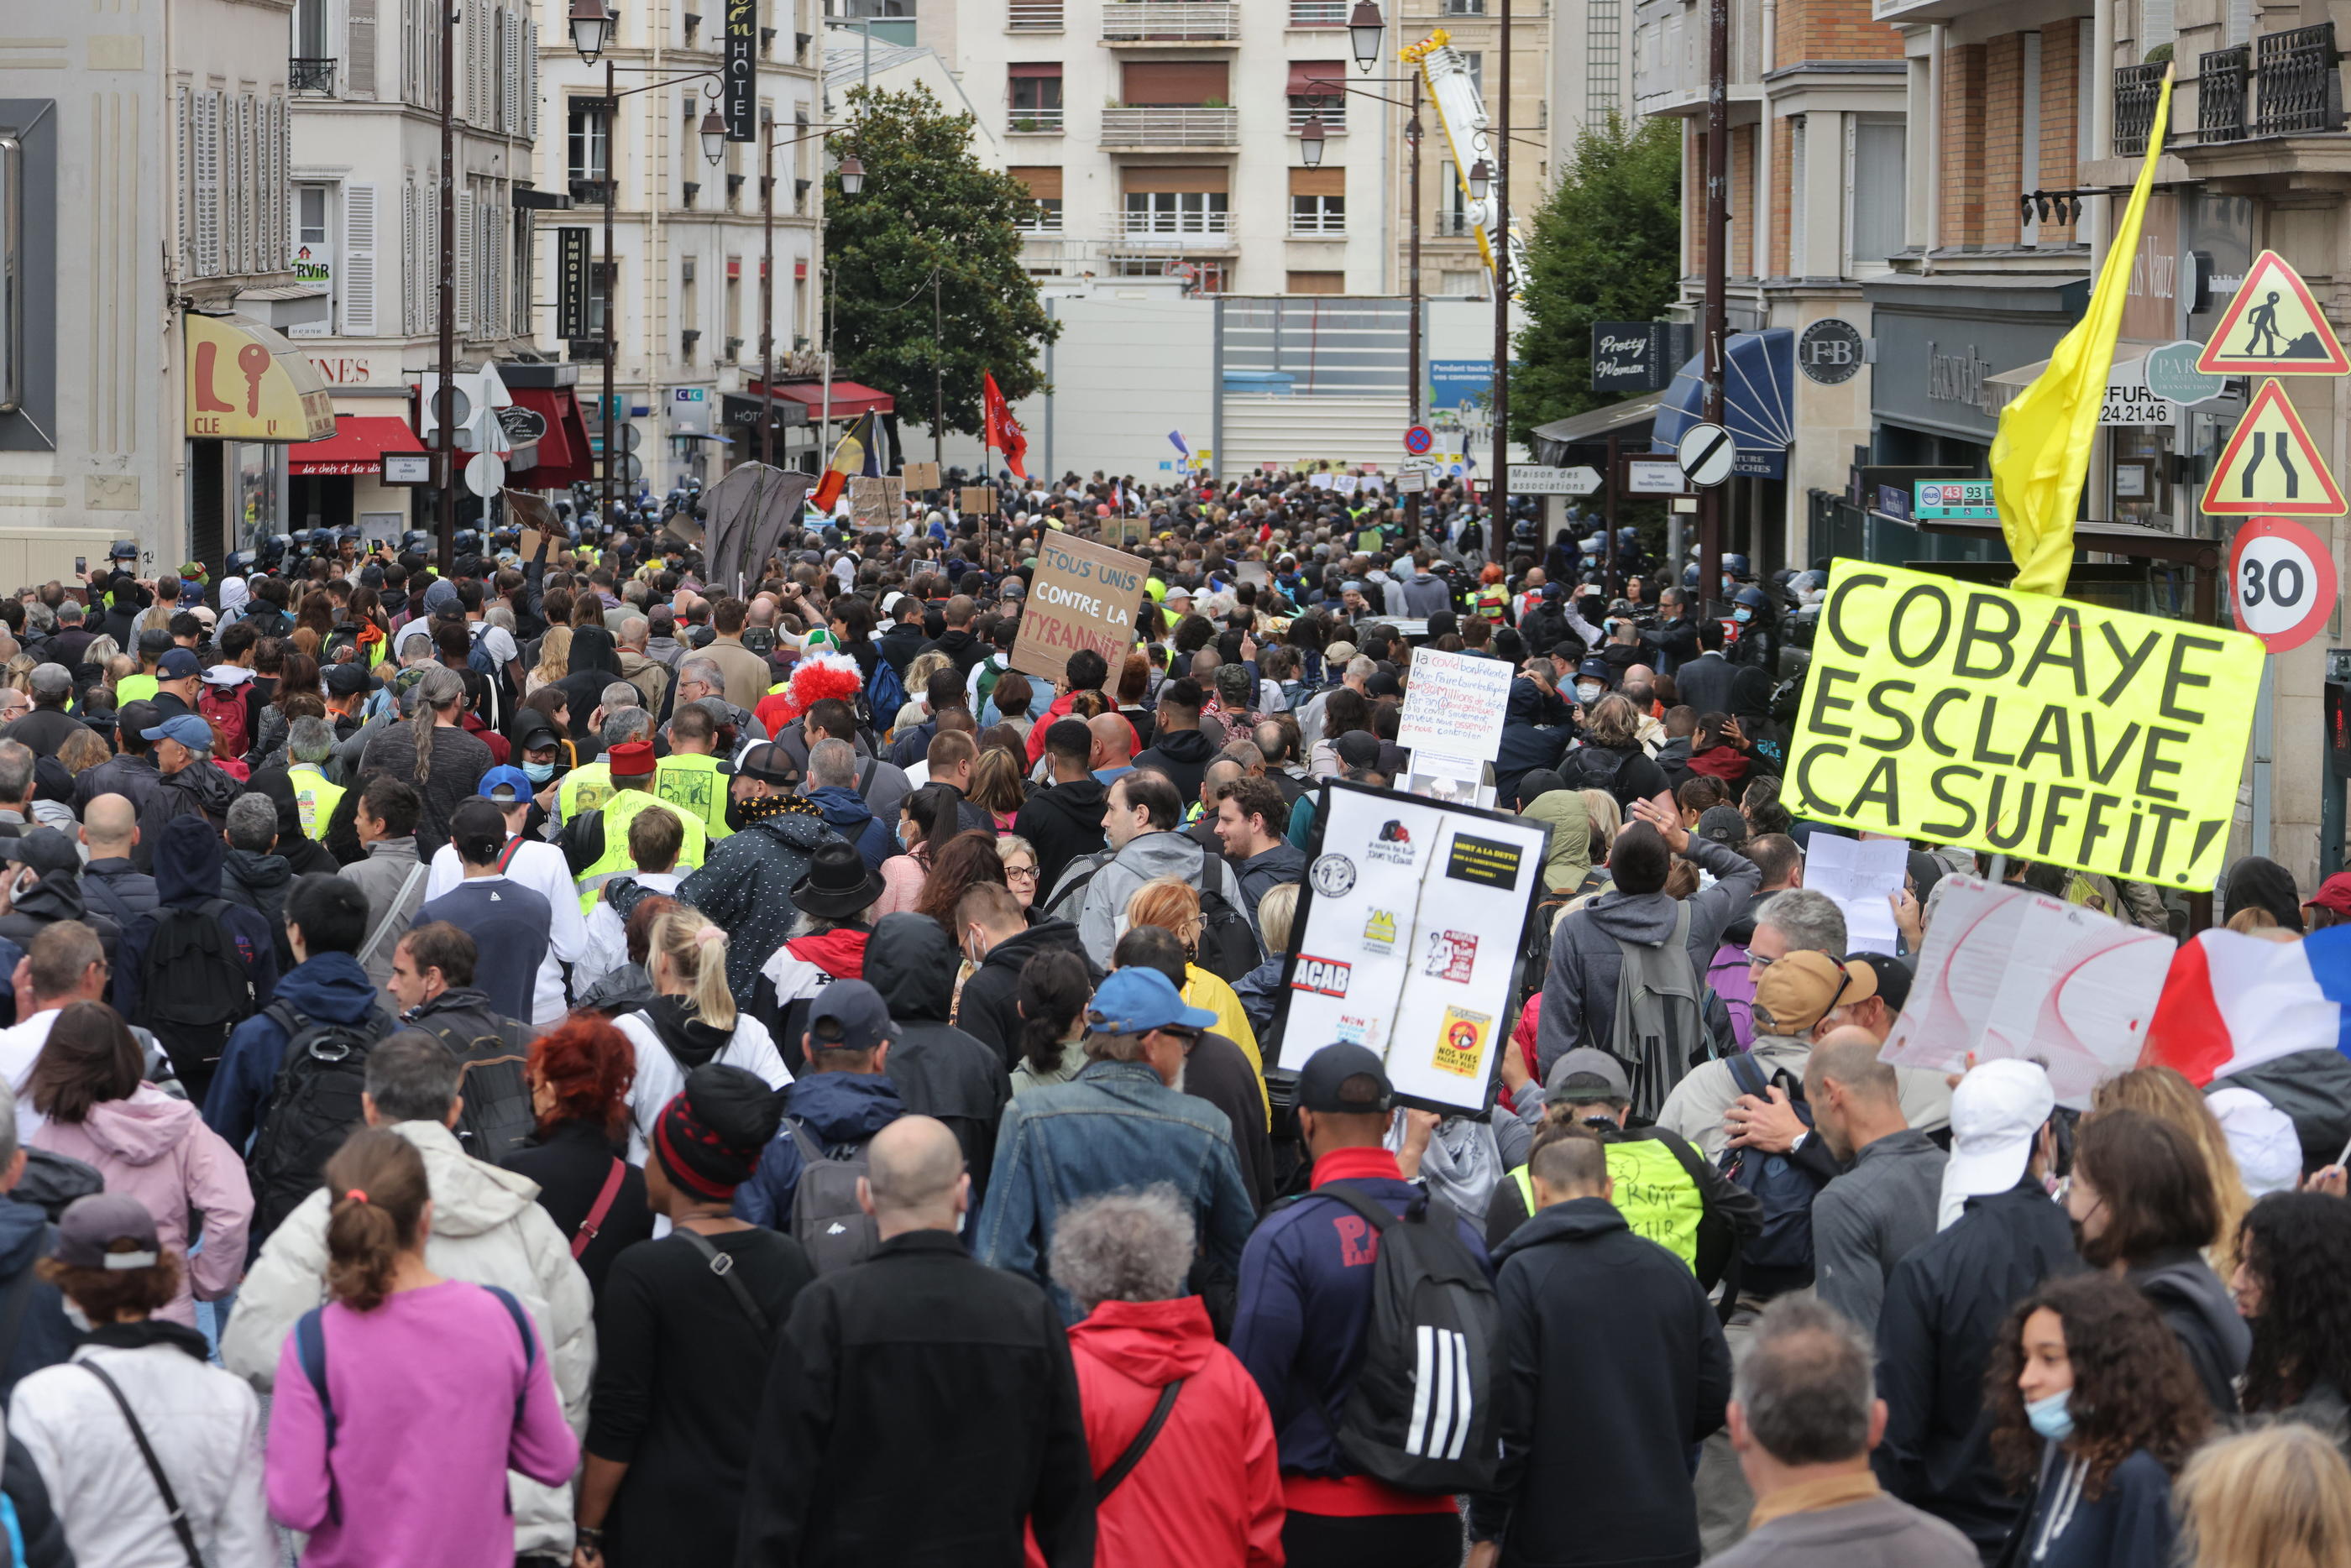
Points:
[(1136, 1001), (185, 728), (178, 665), (507, 777)]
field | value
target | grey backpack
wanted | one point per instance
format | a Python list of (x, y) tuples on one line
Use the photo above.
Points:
[(1660, 1028), (826, 1219)]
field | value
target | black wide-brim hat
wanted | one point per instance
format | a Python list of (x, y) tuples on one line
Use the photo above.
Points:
[(838, 885)]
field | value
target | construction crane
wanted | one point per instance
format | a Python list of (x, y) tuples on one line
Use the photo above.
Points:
[(1461, 112)]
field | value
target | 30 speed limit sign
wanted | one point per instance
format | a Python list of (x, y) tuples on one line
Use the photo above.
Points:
[(2281, 577)]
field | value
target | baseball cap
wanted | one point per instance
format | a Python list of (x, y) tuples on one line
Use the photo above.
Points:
[(1996, 1113), (767, 765), (1796, 992), (1723, 825), (1585, 1075), (2267, 1150), (631, 759), (850, 1016), (349, 680), (106, 1231), (45, 849), (1358, 749), (534, 730), (1325, 1075), (2334, 894), (1888, 977), (185, 728), (1337, 655), (507, 777), (1136, 1001), (178, 665)]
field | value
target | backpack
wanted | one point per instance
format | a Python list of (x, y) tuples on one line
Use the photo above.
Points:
[(223, 707), (1659, 1032), (826, 1219), (991, 670), (477, 659), (1227, 945), (315, 1105), (1784, 1189), (1584, 769), (884, 695), (495, 1118), (1730, 978), (1421, 1416), (192, 988)]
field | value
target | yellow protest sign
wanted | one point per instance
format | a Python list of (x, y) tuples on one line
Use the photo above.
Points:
[(2022, 724)]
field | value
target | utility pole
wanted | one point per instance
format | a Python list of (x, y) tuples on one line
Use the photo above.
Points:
[(611, 424), (768, 299), (1498, 535), (445, 395), (1412, 135), (1718, 280), (938, 372)]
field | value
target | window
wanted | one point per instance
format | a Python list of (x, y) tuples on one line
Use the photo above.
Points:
[(589, 141), (689, 304), (1317, 283), (1465, 7), (1314, 90), (310, 30), (1197, 277), (603, 279), (1036, 98), (1318, 201), (1453, 205), (1874, 190), (1800, 229), (1044, 185), (1474, 62), (734, 301), (314, 255), (1177, 201)]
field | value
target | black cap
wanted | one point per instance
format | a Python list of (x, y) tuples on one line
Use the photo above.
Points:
[(1725, 824), (1893, 977), (45, 849), (534, 728), (850, 1016), (1319, 1081), (768, 765), (350, 679)]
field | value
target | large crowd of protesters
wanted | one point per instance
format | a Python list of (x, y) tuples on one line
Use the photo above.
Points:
[(601, 1059)]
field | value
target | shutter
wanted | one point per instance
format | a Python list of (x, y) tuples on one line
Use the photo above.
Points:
[(411, 276), (248, 171), (1044, 180), (465, 260), (206, 158), (358, 65), (281, 186), (357, 284), (1177, 83), (530, 79), (510, 116), (1318, 182), (232, 197), (185, 109), (1211, 179)]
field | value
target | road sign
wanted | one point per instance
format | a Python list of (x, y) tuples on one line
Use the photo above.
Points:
[(2271, 466), (485, 475), (1412, 481), (1418, 439), (2171, 373), (2282, 581), (1943, 499), (1536, 479), (2274, 328), (1705, 453), (1654, 476)]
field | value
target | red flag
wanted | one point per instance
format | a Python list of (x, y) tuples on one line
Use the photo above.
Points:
[(1004, 432)]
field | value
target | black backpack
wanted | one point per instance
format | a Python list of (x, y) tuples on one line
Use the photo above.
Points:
[(495, 1118), (312, 1110), (1584, 768), (1784, 1188), (1227, 946), (194, 989), (1421, 1418)]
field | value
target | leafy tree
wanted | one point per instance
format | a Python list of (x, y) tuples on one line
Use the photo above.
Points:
[(927, 206), (1607, 247)]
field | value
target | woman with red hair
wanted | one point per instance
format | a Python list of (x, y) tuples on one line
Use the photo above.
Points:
[(580, 1073)]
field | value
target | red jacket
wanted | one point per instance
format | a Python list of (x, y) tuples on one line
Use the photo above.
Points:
[(1207, 1494)]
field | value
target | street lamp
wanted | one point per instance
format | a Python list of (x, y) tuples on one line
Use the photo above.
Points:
[(713, 138), (1365, 28), (853, 175), (1481, 179), (591, 28), (1310, 142)]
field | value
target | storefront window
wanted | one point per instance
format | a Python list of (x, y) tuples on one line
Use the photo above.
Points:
[(2136, 473), (258, 503)]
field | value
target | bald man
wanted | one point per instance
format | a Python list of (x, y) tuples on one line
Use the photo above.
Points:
[(1873, 1215), (885, 1362), (110, 884), (1114, 755)]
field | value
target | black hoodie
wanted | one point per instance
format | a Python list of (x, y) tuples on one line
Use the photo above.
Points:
[(939, 1070), (56, 896), (202, 788), (987, 1011), (260, 882), (1183, 755), (1063, 823), (690, 1040), (959, 644)]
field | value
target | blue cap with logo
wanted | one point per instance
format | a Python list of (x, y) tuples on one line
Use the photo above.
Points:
[(506, 777), (1136, 1001), (185, 728)]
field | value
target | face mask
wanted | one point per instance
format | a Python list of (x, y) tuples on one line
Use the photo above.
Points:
[(1587, 693), (1726, 584), (538, 773), (900, 834), (1742, 615), (2050, 1417)]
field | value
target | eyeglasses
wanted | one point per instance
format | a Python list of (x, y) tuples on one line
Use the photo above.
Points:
[(1020, 873)]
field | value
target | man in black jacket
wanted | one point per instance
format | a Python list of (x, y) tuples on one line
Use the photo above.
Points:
[(1065, 821), (1947, 1300), (1613, 1365), (131, 771), (940, 1071), (1179, 750), (904, 639), (883, 1369), (1001, 936), (956, 641)]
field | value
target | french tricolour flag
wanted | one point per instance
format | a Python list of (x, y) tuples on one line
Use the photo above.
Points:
[(2234, 1002)]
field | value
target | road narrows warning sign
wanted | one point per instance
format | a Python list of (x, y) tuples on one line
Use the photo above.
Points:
[(2270, 465), (2274, 328)]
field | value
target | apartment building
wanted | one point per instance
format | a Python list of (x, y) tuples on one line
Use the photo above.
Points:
[(1159, 138), (685, 275)]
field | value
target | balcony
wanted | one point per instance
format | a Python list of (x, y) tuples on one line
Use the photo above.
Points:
[(2137, 89), (1331, 111), (2297, 84), (310, 76), (1165, 126), (1033, 17), (1318, 225), (1035, 122), (586, 191), (2286, 83), (1454, 227), (1170, 225), (1318, 12), (2222, 79), (1171, 22)]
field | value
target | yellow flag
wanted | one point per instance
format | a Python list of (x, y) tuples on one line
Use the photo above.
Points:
[(2042, 453)]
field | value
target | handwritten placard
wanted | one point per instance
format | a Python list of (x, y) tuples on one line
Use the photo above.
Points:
[(1454, 705)]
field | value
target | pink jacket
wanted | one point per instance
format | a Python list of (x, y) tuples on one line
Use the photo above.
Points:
[(158, 1150)]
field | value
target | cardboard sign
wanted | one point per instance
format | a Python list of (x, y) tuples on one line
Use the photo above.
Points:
[(876, 503), (1405, 940), (2009, 972), (1084, 594), (1454, 705), (2022, 724), (977, 500), (920, 475)]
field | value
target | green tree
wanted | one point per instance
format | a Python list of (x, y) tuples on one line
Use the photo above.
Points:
[(928, 206), (1607, 247)]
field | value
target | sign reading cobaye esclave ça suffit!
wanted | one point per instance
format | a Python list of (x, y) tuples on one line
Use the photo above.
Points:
[(2022, 724)]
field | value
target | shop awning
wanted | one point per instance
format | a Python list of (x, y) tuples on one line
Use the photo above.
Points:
[(2127, 374), (359, 442), (247, 382), (1629, 420), (1759, 401), (848, 399), (564, 456)]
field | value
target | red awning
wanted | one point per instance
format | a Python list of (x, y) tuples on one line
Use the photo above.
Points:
[(849, 398), (357, 441), (564, 457), (1316, 79)]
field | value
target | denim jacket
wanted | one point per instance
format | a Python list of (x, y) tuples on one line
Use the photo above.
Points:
[(1113, 1125)]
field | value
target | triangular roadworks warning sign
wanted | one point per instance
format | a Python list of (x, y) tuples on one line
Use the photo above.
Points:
[(2273, 466), (2274, 328)]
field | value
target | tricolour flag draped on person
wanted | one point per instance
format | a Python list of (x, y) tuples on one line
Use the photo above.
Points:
[(2232, 1001), (1004, 431), (2042, 453)]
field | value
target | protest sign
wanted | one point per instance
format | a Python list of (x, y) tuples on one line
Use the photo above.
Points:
[(1084, 595), (876, 503), (1454, 707), (2022, 724), (2010, 972), (1250, 572), (1406, 938), (920, 475), (1858, 876), (980, 500)]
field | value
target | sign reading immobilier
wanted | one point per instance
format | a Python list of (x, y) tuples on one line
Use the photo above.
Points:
[(1084, 594)]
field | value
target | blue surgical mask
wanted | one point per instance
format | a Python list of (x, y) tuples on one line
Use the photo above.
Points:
[(538, 773), (1725, 582), (2050, 1417), (1742, 615)]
